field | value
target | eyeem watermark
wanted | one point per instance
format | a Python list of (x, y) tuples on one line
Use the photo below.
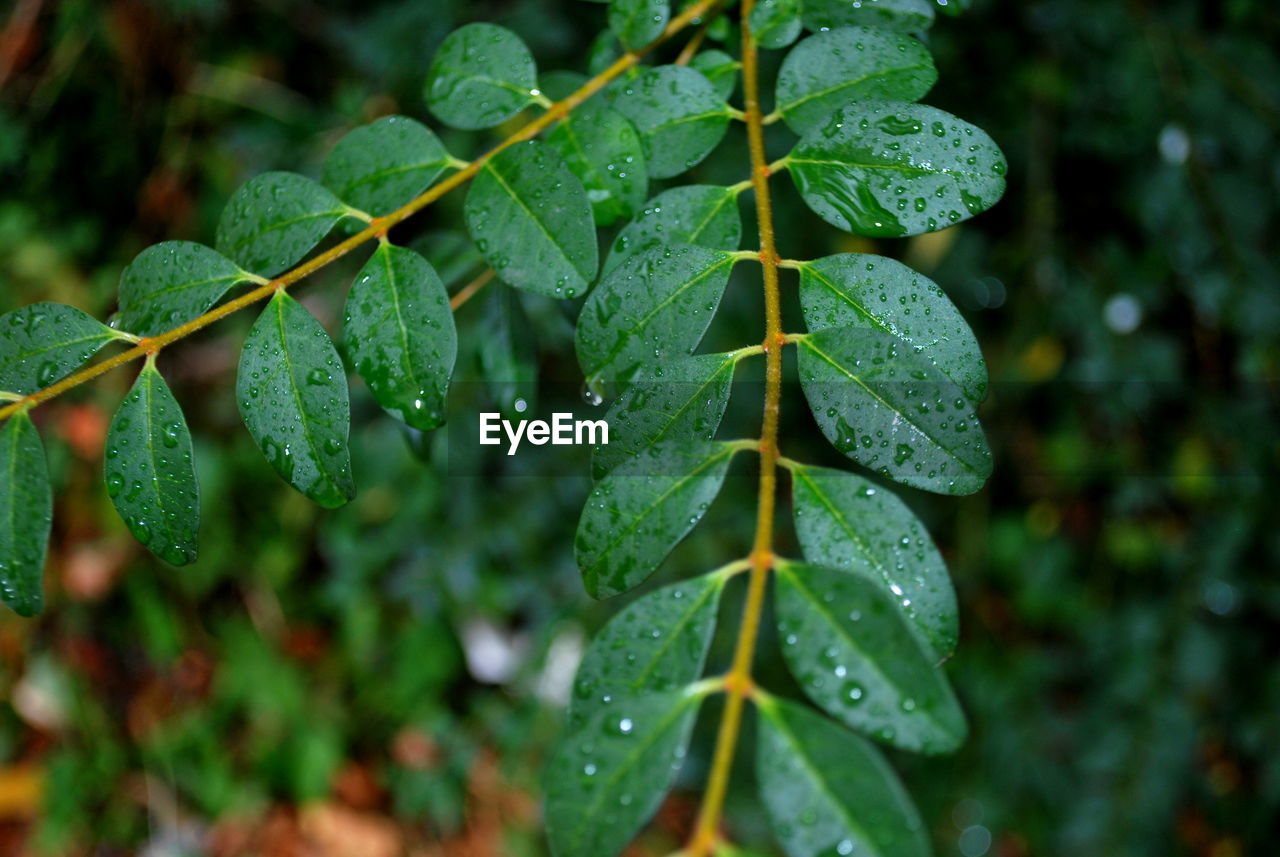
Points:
[(563, 430)]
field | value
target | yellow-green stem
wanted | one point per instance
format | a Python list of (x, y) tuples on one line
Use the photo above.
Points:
[(738, 683), (377, 228)]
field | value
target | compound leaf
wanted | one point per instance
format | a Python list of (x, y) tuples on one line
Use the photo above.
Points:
[(719, 68), (850, 648), (531, 218), (42, 343), (481, 76), (172, 282), (828, 792), (637, 514), (776, 23), (911, 16), (861, 290), (888, 169), (654, 306), (150, 474), (829, 70), (602, 148), (680, 117), (890, 409), (846, 522), (26, 515), (293, 397), (608, 777), (400, 333), (379, 167), (275, 219), (638, 22), (682, 398), (706, 215), (658, 643)]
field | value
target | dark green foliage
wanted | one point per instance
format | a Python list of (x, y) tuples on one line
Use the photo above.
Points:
[(400, 334), (26, 514), (292, 392), (170, 283), (602, 148), (276, 219), (481, 76), (150, 473), (679, 114), (41, 343), (381, 166), (694, 214)]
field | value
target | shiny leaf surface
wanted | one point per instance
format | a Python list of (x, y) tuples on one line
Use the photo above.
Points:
[(602, 148), (42, 343), (481, 76), (170, 283), (706, 215), (273, 220), (379, 167), (680, 117), (26, 515)]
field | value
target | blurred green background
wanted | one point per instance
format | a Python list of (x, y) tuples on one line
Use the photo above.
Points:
[(386, 679)]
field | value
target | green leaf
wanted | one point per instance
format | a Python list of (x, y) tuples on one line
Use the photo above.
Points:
[(43, 343), (655, 306), (911, 16), (890, 409), (381, 166), (530, 217), (719, 68), (828, 792), (684, 398), (776, 23), (150, 475), (858, 290), (607, 778), (26, 515), (170, 283), (399, 331), (850, 648), (658, 643), (846, 522), (293, 397), (508, 354), (602, 148), (638, 22), (680, 117), (888, 168), (275, 219), (829, 70), (706, 215), (637, 514), (560, 84), (481, 76)]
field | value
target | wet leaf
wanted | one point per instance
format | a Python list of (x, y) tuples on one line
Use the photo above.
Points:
[(719, 68), (776, 23), (846, 522), (888, 168), (508, 354), (658, 643), (602, 148), (849, 646), (481, 76), (638, 22), (400, 334), (891, 410), (273, 220), (828, 792), (830, 69), (680, 117), (170, 283), (861, 290), (654, 307), (909, 16), (150, 474), (42, 343), (379, 167), (637, 514), (608, 777), (706, 215), (531, 218), (292, 390), (684, 398), (26, 515)]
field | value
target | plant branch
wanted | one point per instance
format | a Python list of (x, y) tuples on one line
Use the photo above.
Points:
[(468, 291), (739, 683), (376, 229)]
